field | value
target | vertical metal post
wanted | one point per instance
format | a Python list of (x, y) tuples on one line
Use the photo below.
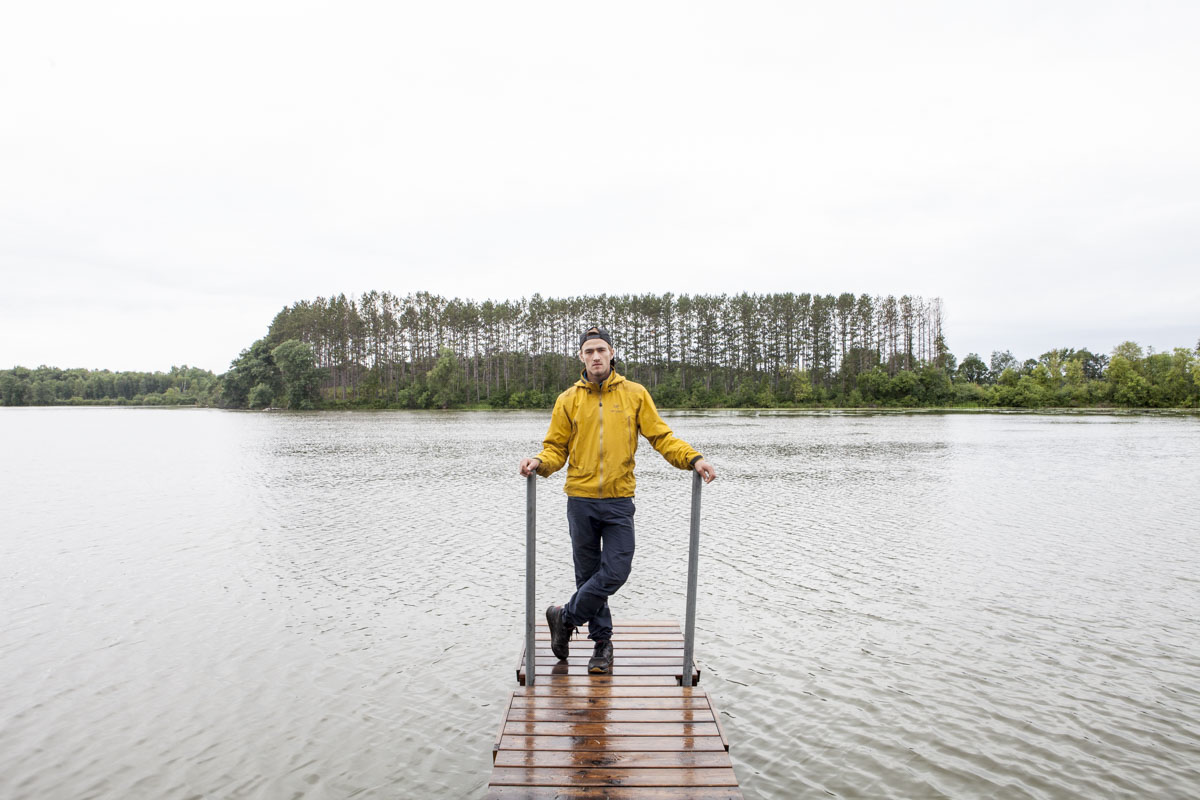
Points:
[(689, 633), (530, 575)]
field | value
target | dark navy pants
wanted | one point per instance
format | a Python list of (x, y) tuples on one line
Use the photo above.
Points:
[(602, 546)]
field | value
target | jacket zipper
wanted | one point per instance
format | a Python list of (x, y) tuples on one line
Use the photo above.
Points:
[(600, 488)]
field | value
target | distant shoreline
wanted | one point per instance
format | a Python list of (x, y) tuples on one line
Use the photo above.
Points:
[(770, 412)]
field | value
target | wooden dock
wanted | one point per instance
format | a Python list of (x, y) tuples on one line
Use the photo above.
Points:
[(636, 734)]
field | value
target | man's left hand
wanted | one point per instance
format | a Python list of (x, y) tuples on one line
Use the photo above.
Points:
[(706, 470)]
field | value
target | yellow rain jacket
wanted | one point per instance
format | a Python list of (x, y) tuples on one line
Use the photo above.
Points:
[(598, 427)]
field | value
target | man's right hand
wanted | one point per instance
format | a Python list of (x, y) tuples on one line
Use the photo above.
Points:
[(529, 466)]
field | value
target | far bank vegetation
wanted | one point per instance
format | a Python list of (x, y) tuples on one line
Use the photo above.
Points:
[(701, 351), (691, 351)]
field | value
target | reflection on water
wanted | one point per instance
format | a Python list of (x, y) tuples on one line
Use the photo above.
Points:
[(202, 603)]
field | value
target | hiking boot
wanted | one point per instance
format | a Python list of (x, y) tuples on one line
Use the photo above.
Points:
[(601, 660), (560, 632)]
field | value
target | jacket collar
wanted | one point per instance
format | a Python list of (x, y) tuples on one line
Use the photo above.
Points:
[(612, 380)]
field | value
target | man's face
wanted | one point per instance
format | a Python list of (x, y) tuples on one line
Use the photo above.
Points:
[(596, 356)]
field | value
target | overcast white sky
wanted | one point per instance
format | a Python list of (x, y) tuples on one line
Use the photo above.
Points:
[(172, 174)]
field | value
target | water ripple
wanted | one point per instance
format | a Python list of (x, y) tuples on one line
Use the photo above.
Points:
[(208, 604)]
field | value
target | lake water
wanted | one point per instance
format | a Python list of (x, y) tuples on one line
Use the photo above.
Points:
[(208, 604)]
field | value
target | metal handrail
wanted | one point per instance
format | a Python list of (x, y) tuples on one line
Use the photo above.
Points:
[(689, 630), (530, 576), (686, 674)]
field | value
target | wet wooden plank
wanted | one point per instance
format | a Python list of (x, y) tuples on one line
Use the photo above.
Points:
[(638, 635), (612, 793), (610, 715), (627, 624), (580, 638), (624, 654), (618, 668), (622, 658), (613, 743), (640, 658), (717, 719), (500, 731), (611, 729), (561, 688), (597, 681), (585, 759), (667, 675), (609, 703), (650, 649), (534, 776), (628, 650)]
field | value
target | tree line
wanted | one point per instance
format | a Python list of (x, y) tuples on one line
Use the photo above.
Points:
[(423, 350), (382, 350), (1131, 377), (48, 386)]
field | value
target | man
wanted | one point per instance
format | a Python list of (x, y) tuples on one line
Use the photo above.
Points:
[(595, 426)]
